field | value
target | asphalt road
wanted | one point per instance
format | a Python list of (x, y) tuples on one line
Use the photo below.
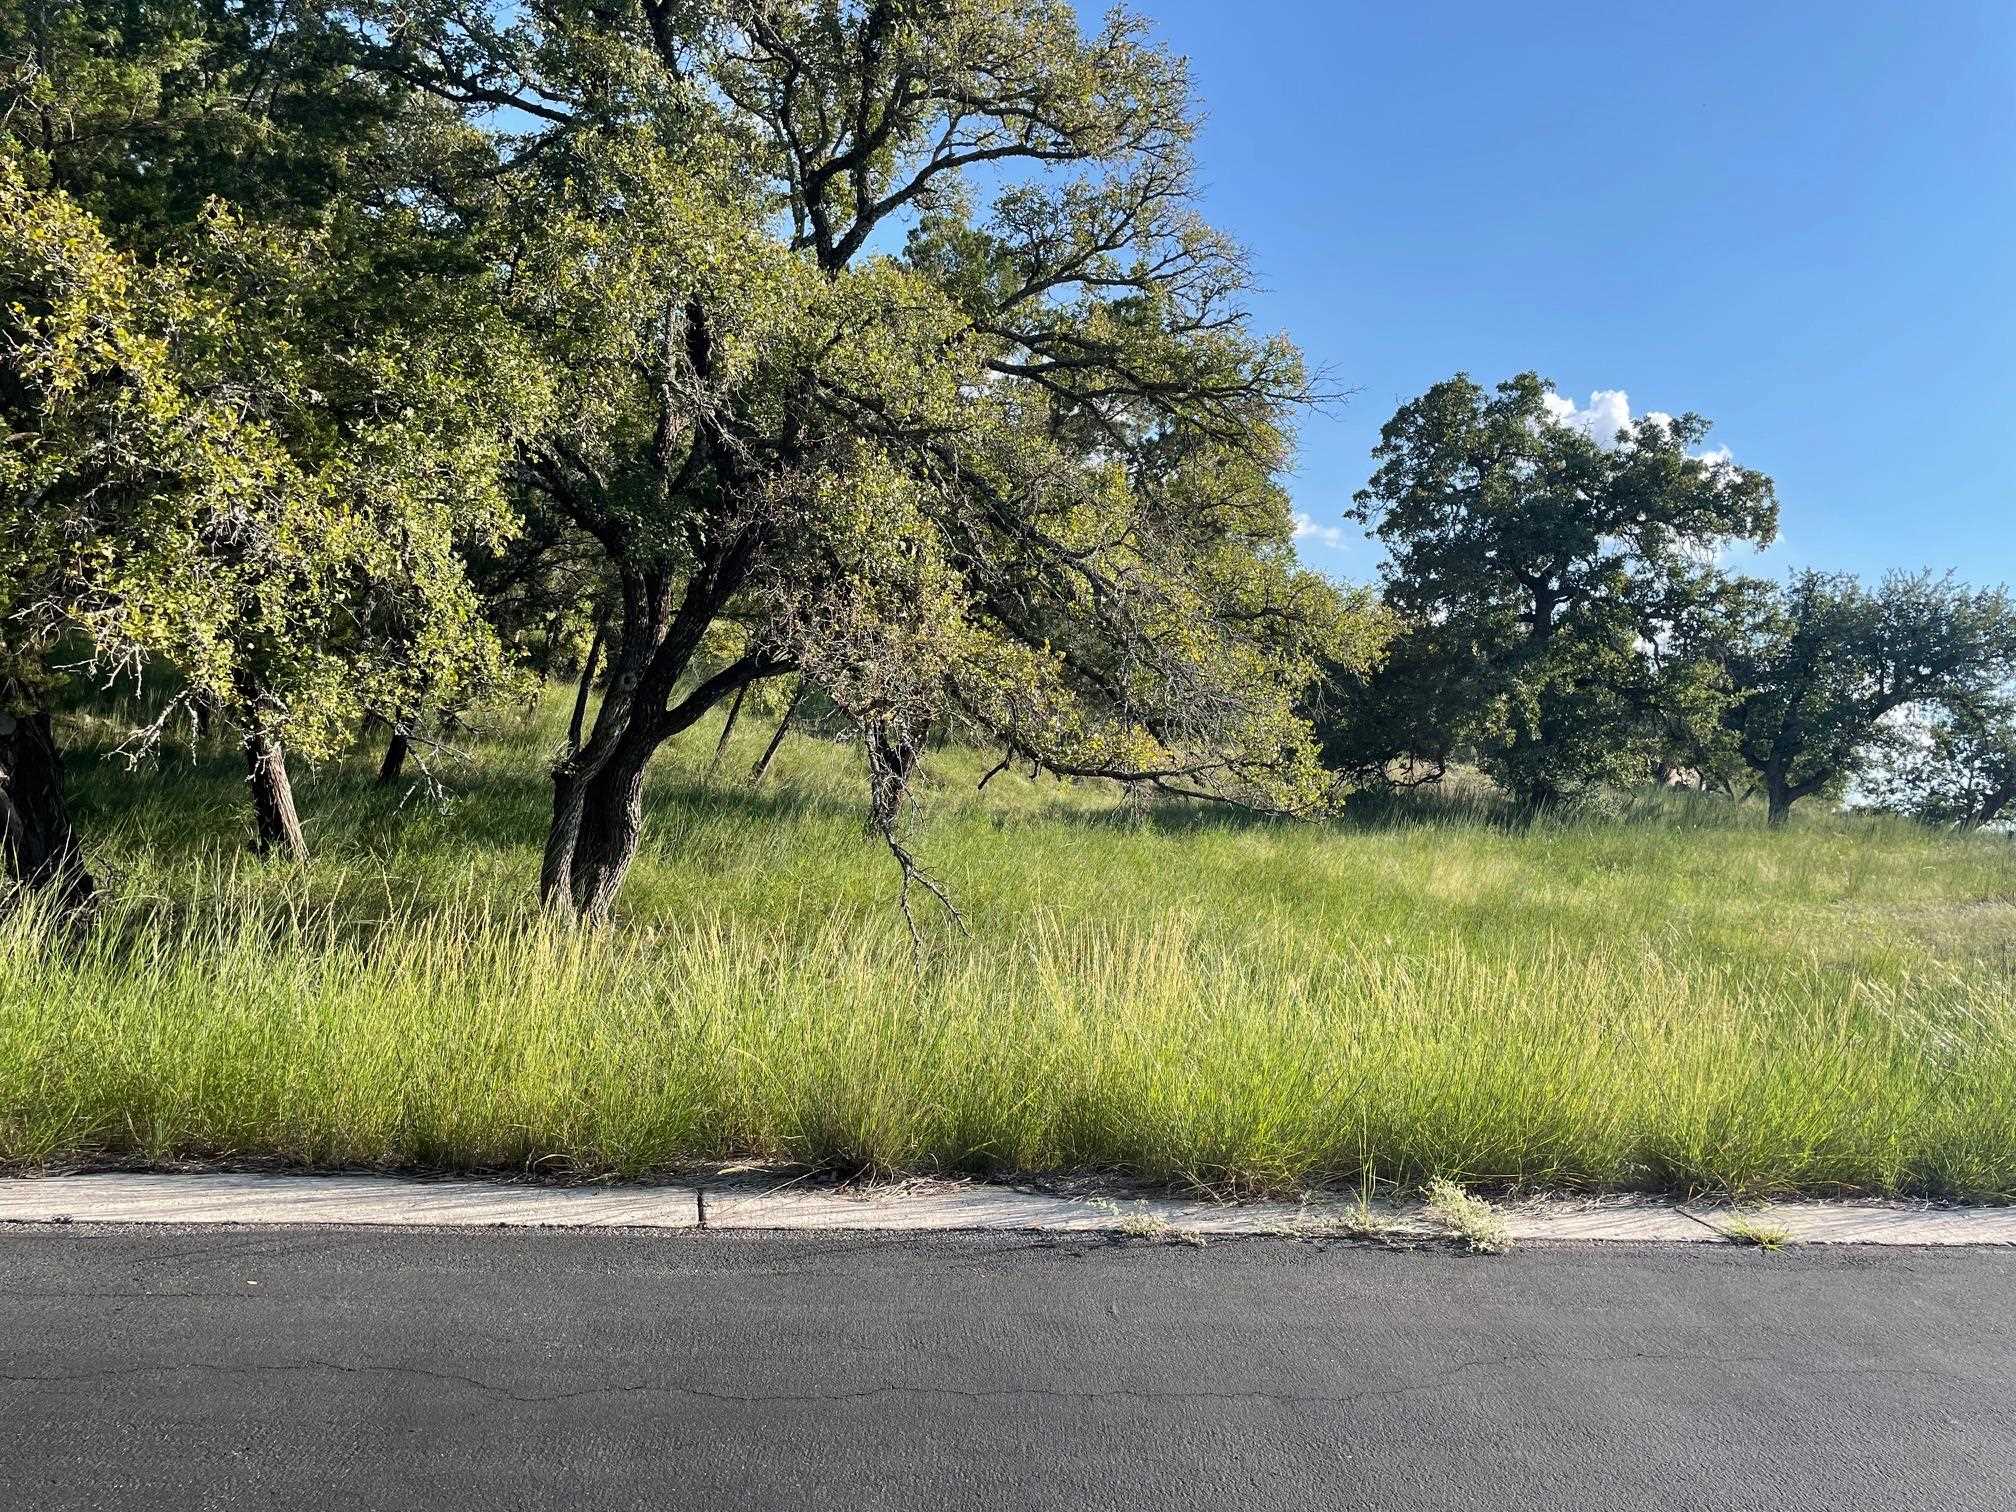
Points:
[(329, 1369)]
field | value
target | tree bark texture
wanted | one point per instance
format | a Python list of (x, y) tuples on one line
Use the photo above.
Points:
[(38, 844), (393, 767), (1779, 800), (598, 824), (276, 826)]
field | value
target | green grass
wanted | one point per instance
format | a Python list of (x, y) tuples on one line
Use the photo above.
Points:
[(1759, 1233), (1668, 998)]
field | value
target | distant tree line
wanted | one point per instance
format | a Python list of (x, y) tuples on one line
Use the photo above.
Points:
[(1564, 624), (363, 363)]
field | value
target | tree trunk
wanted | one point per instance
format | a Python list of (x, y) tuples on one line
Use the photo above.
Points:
[(38, 846), (1541, 797), (783, 727), (598, 791), (1992, 806), (598, 823), (598, 787), (393, 767), (276, 825), (727, 729), (612, 827), (587, 683), (1779, 798), (563, 834)]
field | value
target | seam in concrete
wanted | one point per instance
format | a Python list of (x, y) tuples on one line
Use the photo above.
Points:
[(240, 1200)]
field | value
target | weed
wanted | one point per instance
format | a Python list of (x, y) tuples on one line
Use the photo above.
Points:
[(1143, 1222), (1744, 1228), (1471, 1221), (1358, 1222)]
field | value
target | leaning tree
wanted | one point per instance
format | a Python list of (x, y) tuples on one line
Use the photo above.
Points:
[(1017, 463), (185, 487), (106, 443)]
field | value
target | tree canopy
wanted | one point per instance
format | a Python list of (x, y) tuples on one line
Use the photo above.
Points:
[(250, 438), (358, 359), (1016, 465), (1814, 666), (1536, 571), (1949, 765)]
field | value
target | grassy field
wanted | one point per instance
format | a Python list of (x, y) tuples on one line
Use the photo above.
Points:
[(1666, 998)]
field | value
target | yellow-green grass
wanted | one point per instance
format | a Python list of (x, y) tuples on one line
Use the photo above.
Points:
[(1667, 997)]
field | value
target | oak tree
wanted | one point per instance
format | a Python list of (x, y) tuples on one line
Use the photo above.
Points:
[(1949, 765), (1821, 660), (228, 202), (1533, 568), (1015, 457)]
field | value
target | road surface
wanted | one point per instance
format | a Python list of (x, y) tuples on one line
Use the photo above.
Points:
[(333, 1369)]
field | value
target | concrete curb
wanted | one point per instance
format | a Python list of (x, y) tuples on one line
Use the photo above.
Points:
[(383, 1200)]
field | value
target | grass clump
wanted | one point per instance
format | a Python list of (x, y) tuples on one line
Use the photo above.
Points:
[(1358, 1222), (1760, 1233), (1142, 1222), (1666, 999), (1469, 1220)]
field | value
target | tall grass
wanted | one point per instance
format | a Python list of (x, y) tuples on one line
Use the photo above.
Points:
[(1669, 998)]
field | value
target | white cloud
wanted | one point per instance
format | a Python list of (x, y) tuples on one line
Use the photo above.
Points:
[(1306, 529), (1608, 412), (1602, 420)]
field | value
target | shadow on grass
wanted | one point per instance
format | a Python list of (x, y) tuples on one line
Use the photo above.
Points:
[(422, 838), (506, 808), (1376, 812)]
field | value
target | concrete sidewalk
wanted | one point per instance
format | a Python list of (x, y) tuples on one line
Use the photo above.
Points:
[(927, 1207)]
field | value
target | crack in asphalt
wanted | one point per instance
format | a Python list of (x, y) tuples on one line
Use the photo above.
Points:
[(983, 1394), (262, 1248)]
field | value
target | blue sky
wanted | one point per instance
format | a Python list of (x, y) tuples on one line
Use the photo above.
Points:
[(1796, 219)]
